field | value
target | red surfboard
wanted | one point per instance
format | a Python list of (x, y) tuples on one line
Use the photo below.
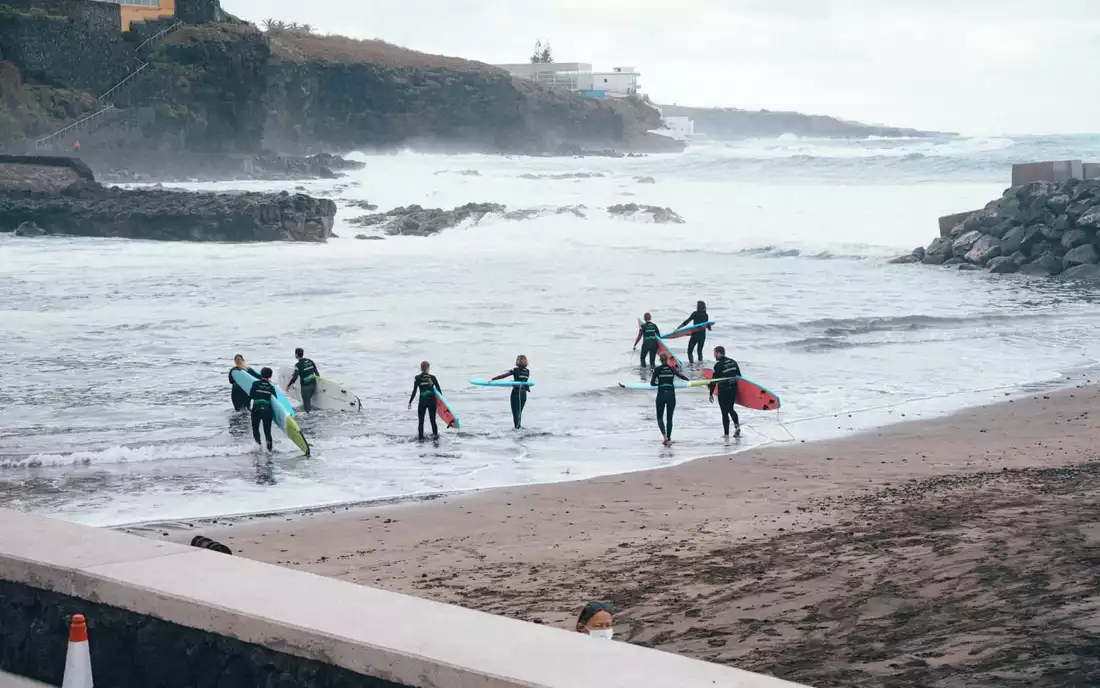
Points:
[(443, 410), (752, 395)]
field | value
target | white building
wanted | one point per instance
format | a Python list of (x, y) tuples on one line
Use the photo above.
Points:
[(620, 82)]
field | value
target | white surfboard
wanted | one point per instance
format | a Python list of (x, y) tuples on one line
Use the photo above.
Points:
[(330, 396)]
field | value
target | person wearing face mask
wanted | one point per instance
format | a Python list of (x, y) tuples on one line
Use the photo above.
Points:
[(597, 620)]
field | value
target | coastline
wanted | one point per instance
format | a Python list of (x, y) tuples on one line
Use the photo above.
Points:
[(685, 551)]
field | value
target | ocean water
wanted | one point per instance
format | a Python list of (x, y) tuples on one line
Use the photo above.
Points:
[(116, 404)]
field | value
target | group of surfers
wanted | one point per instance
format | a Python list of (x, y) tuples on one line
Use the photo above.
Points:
[(426, 385)]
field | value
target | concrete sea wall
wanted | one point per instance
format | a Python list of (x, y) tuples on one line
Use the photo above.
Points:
[(166, 615)]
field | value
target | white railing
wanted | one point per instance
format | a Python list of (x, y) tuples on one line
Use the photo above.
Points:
[(45, 141), (159, 34)]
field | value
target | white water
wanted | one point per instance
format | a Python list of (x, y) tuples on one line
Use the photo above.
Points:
[(116, 402)]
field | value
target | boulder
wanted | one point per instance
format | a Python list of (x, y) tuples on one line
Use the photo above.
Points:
[(965, 242), (938, 251), (1052, 232), (983, 250), (1076, 237), (904, 260), (1081, 208), (968, 266), (1086, 272), (1013, 240), (1090, 220), (1082, 255), (369, 237), (1001, 228), (1044, 266), (1019, 258), (1032, 237), (29, 229), (415, 220), (1003, 266), (953, 261), (1058, 203), (326, 173)]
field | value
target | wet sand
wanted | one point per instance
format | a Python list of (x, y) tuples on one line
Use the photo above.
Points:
[(962, 551)]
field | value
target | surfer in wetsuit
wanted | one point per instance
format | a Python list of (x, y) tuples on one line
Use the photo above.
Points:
[(699, 337), (240, 397), (649, 332), (519, 393), (305, 369), (664, 377), (425, 385), (262, 398), (727, 391)]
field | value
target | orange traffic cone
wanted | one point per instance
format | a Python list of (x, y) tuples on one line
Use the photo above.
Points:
[(78, 660)]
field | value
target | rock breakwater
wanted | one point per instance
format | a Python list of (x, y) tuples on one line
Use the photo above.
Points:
[(1042, 229), (90, 209)]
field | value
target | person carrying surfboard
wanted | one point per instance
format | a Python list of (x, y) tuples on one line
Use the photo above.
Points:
[(648, 331), (262, 395), (519, 393), (699, 316), (664, 379), (425, 385), (727, 389), (239, 396), (307, 371)]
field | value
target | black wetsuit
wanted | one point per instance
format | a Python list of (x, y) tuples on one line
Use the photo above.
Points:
[(519, 394), (425, 385), (262, 395), (727, 391), (307, 370), (649, 333), (240, 397), (664, 378), (698, 339)]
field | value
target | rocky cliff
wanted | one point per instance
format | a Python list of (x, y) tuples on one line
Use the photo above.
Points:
[(732, 123), (338, 93), (224, 87), (1042, 229)]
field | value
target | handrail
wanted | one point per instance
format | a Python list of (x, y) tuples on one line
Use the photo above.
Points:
[(103, 98), (157, 35), (42, 141)]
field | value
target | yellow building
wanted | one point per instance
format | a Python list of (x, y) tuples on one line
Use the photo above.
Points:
[(143, 10)]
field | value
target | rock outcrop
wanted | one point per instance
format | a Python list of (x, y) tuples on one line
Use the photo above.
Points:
[(649, 213), (1039, 229), (732, 123), (90, 209), (415, 220)]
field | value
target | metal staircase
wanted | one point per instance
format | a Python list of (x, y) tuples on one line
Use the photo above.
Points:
[(108, 99)]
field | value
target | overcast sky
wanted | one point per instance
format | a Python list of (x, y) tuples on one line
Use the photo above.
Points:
[(976, 66)]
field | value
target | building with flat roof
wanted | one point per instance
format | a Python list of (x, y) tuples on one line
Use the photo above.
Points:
[(620, 82), (143, 10)]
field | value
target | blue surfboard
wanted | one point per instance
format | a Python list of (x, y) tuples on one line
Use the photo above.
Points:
[(281, 409), (501, 383), (688, 329)]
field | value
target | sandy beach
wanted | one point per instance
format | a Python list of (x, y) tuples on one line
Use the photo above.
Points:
[(959, 551)]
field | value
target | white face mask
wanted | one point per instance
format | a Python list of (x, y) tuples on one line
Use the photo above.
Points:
[(602, 633)]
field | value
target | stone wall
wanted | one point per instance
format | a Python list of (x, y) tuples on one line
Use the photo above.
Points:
[(72, 44), (1050, 171)]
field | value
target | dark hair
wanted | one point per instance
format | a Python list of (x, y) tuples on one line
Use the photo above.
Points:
[(236, 356), (647, 316), (720, 349), (266, 373), (701, 306), (424, 365), (299, 352), (593, 608)]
